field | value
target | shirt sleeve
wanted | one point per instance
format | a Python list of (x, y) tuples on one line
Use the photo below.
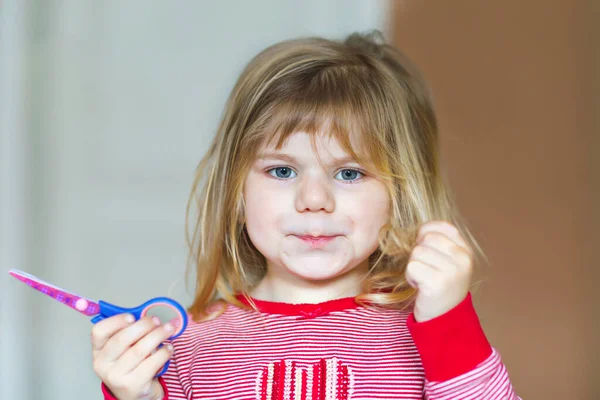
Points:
[(457, 357), (170, 382)]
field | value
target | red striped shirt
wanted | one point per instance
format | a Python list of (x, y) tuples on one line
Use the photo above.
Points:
[(335, 350)]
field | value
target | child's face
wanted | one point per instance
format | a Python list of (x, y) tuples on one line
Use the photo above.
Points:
[(313, 221)]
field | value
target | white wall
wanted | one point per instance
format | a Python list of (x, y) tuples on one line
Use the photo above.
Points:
[(105, 109)]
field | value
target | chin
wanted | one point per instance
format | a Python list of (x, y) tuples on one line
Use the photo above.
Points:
[(316, 268)]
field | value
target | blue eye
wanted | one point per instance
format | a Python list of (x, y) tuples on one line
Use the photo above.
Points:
[(281, 172), (345, 175), (349, 175)]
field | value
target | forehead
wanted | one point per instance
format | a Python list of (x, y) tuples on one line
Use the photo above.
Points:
[(326, 141), (322, 144), (338, 129)]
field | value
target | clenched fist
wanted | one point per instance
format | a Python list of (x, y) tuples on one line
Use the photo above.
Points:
[(440, 268)]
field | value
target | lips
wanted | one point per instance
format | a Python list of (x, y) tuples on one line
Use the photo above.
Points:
[(316, 241)]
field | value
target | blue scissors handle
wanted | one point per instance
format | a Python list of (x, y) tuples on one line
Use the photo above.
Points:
[(108, 310)]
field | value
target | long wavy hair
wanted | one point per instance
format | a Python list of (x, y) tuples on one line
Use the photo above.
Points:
[(358, 85)]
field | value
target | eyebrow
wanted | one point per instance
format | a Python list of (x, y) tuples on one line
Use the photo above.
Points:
[(292, 159)]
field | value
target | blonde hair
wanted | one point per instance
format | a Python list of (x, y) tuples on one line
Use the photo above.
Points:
[(360, 86)]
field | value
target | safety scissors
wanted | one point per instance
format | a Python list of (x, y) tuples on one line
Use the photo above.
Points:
[(101, 309)]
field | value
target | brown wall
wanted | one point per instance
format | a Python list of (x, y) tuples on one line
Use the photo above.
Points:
[(511, 82), (593, 31)]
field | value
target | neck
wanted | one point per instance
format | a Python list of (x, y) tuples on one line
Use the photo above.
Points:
[(280, 286)]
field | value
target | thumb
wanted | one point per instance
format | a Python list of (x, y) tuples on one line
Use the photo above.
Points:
[(418, 274)]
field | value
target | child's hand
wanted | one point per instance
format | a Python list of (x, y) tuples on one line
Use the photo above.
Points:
[(123, 359), (440, 269)]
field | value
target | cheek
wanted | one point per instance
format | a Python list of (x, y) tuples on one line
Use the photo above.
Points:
[(262, 210), (371, 212)]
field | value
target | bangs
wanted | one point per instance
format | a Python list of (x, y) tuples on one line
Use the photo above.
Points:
[(335, 109), (318, 121)]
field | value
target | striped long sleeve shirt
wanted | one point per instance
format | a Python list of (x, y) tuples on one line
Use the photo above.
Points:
[(336, 350)]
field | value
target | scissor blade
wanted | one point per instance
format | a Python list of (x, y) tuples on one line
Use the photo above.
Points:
[(83, 305)]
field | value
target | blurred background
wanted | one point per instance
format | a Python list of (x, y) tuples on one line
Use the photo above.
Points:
[(106, 107)]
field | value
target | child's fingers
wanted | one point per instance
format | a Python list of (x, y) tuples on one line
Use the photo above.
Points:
[(120, 342), (142, 350), (149, 367), (432, 257), (105, 329), (418, 274), (445, 228)]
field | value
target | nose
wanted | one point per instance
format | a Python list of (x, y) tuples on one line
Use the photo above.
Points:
[(314, 194)]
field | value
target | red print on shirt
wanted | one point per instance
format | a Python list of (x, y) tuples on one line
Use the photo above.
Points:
[(327, 379)]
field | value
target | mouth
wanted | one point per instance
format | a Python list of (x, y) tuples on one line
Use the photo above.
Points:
[(316, 241)]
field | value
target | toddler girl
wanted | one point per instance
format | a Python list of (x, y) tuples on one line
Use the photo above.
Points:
[(330, 259)]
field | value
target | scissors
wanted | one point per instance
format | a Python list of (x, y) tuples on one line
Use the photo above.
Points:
[(102, 309)]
